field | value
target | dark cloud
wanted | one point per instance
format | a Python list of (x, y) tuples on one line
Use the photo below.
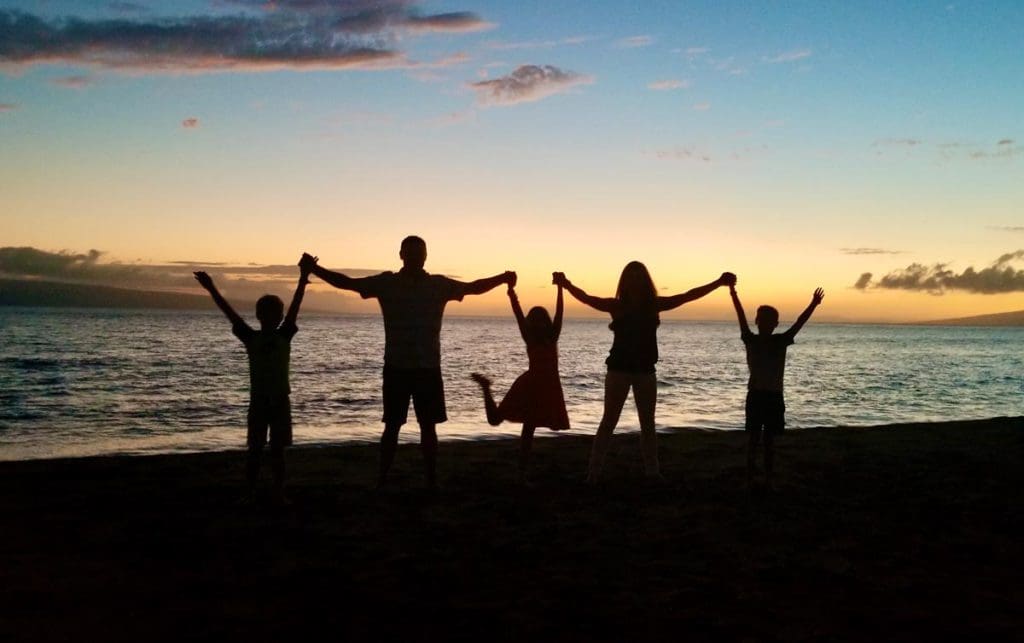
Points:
[(869, 251), (190, 123), (1000, 277), (528, 83), (292, 34)]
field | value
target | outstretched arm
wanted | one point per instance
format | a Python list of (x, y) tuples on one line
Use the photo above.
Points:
[(306, 265), (559, 309), (816, 298), (668, 303), (740, 315), (335, 279), (480, 286), (604, 304), (207, 282)]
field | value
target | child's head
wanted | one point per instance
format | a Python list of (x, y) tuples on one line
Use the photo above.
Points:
[(539, 326), (270, 311), (636, 285), (767, 319)]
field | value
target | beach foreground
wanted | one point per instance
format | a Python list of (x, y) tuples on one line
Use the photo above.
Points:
[(900, 532)]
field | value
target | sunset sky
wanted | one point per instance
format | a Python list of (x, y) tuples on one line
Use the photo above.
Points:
[(797, 144)]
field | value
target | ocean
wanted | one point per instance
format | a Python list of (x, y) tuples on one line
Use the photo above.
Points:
[(80, 382)]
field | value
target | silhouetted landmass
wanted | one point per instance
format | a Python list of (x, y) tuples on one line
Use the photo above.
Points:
[(18, 292), (1015, 318), (904, 533)]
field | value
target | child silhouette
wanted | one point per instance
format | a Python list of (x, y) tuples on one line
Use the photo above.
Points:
[(536, 397), (766, 359), (269, 351)]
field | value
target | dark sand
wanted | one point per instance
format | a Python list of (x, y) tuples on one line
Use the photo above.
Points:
[(908, 532)]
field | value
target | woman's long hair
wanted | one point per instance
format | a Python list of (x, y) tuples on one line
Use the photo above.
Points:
[(636, 289), (539, 327)]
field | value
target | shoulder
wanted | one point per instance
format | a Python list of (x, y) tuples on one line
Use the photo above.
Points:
[(287, 330), (242, 331)]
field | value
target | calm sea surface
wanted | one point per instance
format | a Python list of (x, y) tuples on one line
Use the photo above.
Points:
[(86, 382)]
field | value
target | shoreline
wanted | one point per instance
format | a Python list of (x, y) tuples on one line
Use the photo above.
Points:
[(906, 531)]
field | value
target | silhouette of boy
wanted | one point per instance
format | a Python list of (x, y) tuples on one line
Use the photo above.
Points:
[(412, 302), (766, 359), (269, 350)]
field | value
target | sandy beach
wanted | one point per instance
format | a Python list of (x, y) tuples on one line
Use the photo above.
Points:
[(905, 532)]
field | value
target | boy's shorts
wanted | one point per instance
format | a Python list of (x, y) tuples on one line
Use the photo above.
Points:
[(275, 414), (766, 409), (423, 385)]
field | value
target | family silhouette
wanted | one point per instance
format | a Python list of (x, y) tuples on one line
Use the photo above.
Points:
[(412, 303)]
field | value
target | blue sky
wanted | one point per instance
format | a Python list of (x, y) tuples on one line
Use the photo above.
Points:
[(697, 136)]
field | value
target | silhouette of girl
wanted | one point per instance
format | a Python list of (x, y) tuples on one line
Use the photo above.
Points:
[(535, 398), (634, 352)]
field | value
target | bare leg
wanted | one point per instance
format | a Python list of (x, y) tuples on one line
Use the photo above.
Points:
[(616, 388), (277, 462), (645, 394), (388, 446), (428, 446), (525, 446), (493, 417), (753, 437), (252, 469)]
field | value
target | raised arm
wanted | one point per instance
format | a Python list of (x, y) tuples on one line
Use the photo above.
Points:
[(556, 323), (335, 279), (480, 286), (517, 310), (816, 298), (604, 304), (740, 315), (207, 282), (674, 301), (306, 265)]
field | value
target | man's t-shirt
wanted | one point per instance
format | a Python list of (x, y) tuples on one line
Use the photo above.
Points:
[(269, 353), (412, 303), (766, 357)]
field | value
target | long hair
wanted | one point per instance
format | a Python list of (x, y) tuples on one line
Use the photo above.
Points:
[(539, 327), (636, 289)]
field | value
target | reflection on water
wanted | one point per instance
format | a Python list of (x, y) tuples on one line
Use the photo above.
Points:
[(82, 382)]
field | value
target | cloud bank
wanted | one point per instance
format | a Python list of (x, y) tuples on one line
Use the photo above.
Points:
[(1000, 277), (284, 34), (527, 83)]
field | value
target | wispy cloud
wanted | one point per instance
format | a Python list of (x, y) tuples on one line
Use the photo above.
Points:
[(681, 153), (8, 107), (74, 82), (284, 34), (788, 56), (870, 251), (668, 84), (528, 83), (633, 42), (1004, 149), (190, 123), (897, 142), (701, 107), (1009, 228), (937, 279), (537, 44)]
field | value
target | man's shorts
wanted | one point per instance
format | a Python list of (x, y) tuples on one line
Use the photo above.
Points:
[(423, 385), (766, 409), (275, 414)]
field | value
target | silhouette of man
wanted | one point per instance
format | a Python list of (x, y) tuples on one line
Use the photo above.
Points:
[(412, 303)]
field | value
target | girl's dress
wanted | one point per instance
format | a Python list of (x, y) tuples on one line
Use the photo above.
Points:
[(536, 396)]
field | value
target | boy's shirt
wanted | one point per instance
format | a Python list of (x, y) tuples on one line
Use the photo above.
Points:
[(766, 358), (269, 354)]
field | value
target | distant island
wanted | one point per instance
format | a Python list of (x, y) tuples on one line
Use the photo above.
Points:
[(1015, 318), (23, 292)]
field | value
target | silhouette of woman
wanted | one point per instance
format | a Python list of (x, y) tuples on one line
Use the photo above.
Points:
[(634, 311)]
